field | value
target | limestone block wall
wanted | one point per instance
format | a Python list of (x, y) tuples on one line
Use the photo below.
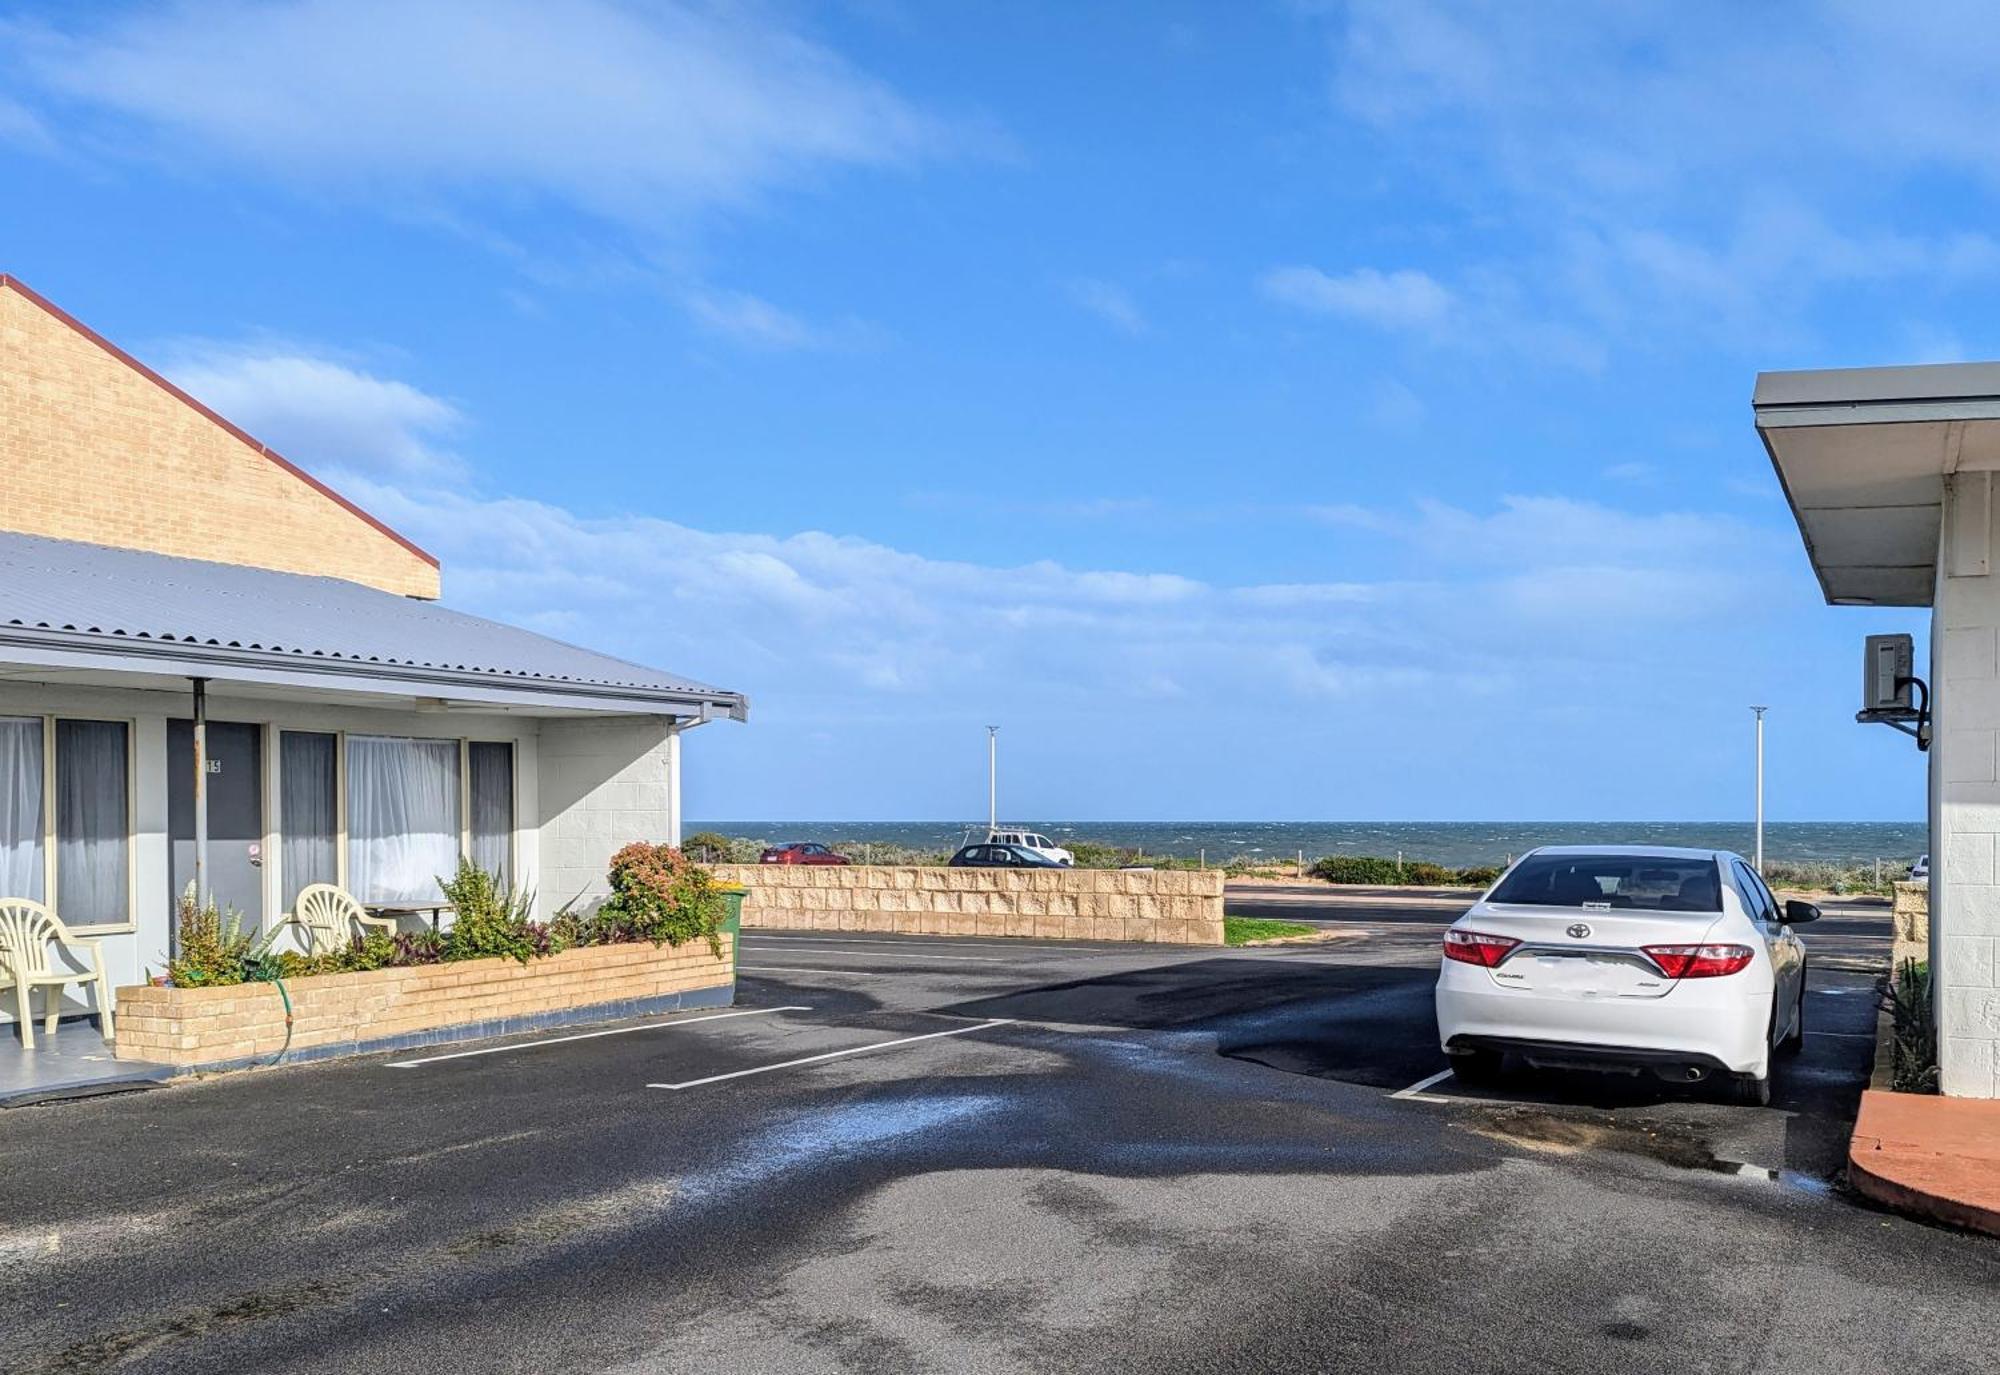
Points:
[(94, 446), (1910, 914), (1171, 907)]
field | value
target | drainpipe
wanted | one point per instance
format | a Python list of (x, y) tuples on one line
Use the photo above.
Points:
[(200, 791)]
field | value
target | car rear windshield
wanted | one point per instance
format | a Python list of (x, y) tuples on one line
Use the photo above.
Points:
[(1655, 884)]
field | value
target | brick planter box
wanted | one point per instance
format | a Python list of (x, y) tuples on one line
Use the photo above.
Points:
[(425, 1005), (1179, 907)]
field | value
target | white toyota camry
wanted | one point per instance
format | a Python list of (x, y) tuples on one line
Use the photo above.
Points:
[(1633, 958)]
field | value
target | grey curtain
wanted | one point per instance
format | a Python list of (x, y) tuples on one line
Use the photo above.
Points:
[(92, 846), (307, 799), (491, 764), (22, 874), (402, 817)]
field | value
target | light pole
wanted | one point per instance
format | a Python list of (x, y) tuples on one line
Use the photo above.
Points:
[(992, 779), (1760, 786)]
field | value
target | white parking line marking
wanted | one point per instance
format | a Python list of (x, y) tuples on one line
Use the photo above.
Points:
[(924, 942), (803, 969), (589, 1035), (956, 959), (836, 1054), (1413, 1090)]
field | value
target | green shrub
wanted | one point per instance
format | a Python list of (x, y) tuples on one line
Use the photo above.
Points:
[(658, 895), (1356, 869), (710, 847), (1373, 869), (1914, 1066), (489, 917), (214, 951)]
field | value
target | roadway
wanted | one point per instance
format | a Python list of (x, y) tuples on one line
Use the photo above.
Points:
[(912, 1154)]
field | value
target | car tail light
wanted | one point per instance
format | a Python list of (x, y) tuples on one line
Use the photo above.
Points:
[(1698, 961), (1476, 947)]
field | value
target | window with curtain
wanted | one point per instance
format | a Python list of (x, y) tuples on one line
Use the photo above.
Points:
[(22, 872), (307, 793), (402, 817), (93, 849), (491, 765)]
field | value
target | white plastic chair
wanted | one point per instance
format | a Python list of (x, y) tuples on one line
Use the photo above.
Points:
[(328, 915), (26, 928)]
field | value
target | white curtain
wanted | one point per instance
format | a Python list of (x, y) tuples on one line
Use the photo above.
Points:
[(306, 810), (402, 817), (92, 846), (21, 871), (491, 764)]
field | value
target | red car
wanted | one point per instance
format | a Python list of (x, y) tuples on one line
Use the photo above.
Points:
[(799, 852)]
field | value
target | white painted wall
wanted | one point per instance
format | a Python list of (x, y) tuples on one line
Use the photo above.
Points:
[(1965, 792), (583, 787), (604, 784)]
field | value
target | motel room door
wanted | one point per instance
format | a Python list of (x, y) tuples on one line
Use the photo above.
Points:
[(235, 814)]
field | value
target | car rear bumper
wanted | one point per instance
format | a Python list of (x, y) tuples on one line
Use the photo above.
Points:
[(1713, 1024)]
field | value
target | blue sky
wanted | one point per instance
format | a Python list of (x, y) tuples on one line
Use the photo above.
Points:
[(1260, 411)]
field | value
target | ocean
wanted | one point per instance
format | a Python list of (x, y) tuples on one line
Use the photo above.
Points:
[(1457, 843)]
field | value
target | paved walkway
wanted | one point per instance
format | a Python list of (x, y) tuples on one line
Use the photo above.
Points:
[(1937, 1157)]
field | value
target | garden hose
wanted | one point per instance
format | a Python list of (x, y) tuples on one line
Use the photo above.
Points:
[(283, 1049)]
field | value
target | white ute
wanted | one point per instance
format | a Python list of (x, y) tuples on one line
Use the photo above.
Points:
[(1631, 958), (1031, 840)]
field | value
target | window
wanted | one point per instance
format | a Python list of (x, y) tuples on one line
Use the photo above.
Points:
[(1650, 882), (403, 831), (23, 867), (490, 778), (93, 823), (1757, 899), (308, 793)]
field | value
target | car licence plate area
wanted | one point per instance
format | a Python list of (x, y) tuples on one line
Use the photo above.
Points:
[(1581, 974)]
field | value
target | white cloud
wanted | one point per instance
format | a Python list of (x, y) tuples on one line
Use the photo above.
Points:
[(1666, 170), (1402, 299), (1634, 470), (1512, 607), (757, 323), (641, 113), (1110, 303), (329, 414)]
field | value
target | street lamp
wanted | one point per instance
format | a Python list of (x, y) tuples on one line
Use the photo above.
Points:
[(992, 779), (1760, 786)]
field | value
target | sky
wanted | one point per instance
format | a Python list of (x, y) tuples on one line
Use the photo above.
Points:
[(1257, 410)]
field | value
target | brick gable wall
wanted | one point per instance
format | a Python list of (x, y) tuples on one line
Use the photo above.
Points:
[(95, 448)]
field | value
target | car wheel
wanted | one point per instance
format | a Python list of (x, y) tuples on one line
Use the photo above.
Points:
[(1477, 1068), (1751, 1091), (1795, 1041)]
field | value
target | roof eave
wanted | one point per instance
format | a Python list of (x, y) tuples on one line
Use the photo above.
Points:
[(69, 650)]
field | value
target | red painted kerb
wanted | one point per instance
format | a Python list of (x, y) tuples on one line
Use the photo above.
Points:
[(27, 293)]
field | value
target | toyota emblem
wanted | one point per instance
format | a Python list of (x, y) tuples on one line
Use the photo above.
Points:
[(1580, 930)]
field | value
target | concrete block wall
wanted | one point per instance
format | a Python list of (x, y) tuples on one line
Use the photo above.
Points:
[(1965, 796), (190, 1027), (94, 448), (601, 784), (1172, 907)]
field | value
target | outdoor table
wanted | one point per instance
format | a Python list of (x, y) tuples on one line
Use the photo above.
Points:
[(431, 911)]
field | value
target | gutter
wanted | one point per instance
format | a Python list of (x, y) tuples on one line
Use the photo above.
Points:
[(190, 659)]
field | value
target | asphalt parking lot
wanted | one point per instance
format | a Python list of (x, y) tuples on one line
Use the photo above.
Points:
[(910, 1154)]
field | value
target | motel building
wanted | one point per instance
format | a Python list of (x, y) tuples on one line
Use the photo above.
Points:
[(1891, 475), (162, 573)]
